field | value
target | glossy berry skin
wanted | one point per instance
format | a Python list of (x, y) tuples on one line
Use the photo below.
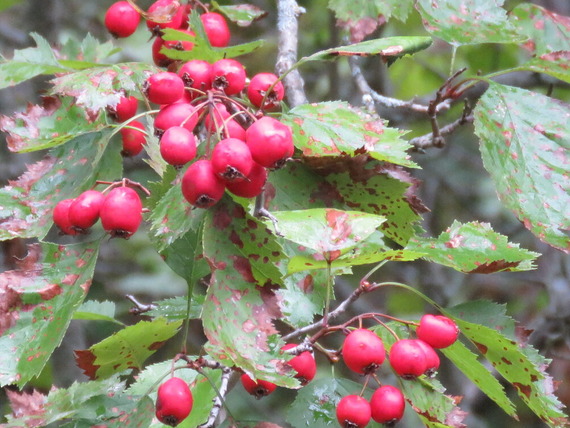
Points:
[(165, 10), (201, 186), (196, 74), (164, 88), (61, 217), (218, 119), (84, 211), (387, 405), (228, 76), (158, 57), (363, 351), (133, 139), (304, 364), (125, 108), (121, 212), (177, 114), (173, 401), (121, 19), (270, 142), (231, 160), (216, 29), (437, 331), (258, 87), (259, 388), (432, 359), (353, 411), (252, 186), (178, 146), (408, 359)]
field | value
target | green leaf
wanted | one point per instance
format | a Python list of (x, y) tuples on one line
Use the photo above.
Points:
[(85, 53), (38, 304), (97, 311), (6, 4), (524, 142), (473, 248), (241, 14), (338, 129), (49, 124), (176, 308), (128, 348), (547, 31), (519, 364), (26, 205), (555, 64), (468, 22)]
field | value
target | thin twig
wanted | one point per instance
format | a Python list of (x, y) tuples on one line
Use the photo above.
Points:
[(139, 308), (426, 141), (218, 401)]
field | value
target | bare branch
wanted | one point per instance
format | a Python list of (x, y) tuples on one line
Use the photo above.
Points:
[(139, 308), (426, 141), (218, 401)]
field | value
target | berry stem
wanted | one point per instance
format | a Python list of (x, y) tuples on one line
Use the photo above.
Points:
[(383, 324)]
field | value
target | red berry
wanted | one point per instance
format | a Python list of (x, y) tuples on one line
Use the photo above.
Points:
[(353, 411), (164, 88), (437, 331), (158, 57), (169, 12), (84, 211), (408, 359), (252, 186), (121, 212), (133, 139), (125, 108), (177, 114), (228, 75), (432, 359), (178, 146), (216, 29), (231, 160), (258, 87), (121, 19), (257, 388), (387, 405), (304, 364), (363, 351), (61, 217), (173, 401), (270, 142), (201, 186), (196, 74), (218, 119)]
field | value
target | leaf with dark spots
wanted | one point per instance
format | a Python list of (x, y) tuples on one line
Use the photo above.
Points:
[(473, 248), (242, 14), (128, 348), (556, 64), (37, 302)]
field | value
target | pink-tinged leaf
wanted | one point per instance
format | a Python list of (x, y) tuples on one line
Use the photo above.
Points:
[(525, 144), (27, 406), (556, 64), (242, 14), (547, 31), (37, 302)]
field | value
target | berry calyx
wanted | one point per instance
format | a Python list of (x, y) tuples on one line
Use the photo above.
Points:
[(121, 19), (196, 74), (353, 411), (270, 142), (228, 75), (252, 185), (133, 137), (257, 388), (201, 186), (61, 217), (173, 401), (387, 405), (178, 146), (304, 364), (437, 331), (408, 359), (177, 114), (258, 87), (164, 88), (121, 212), (216, 29), (231, 160), (84, 211), (363, 351)]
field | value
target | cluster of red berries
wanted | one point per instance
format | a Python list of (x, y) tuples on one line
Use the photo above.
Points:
[(120, 211), (363, 352)]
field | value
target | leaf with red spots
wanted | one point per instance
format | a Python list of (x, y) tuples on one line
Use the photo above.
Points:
[(242, 14), (127, 349), (338, 129), (241, 303), (525, 142), (547, 31), (26, 204), (467, 22), (28, 407), (37, 302), (486, 325), (556, 64)]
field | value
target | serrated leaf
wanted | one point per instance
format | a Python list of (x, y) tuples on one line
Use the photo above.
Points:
[(556, 64), (524, 142), (97, 311), (338, 129), (49, 124), (176, 308), (37, 303), (242, 14), (128, 348), (468, 22), (474, 248), (547, 31), (26, 204), (85, 53)]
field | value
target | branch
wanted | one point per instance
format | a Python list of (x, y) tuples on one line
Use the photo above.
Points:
[(426, 141), (139, 308), (287, 25), (218, 401)]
